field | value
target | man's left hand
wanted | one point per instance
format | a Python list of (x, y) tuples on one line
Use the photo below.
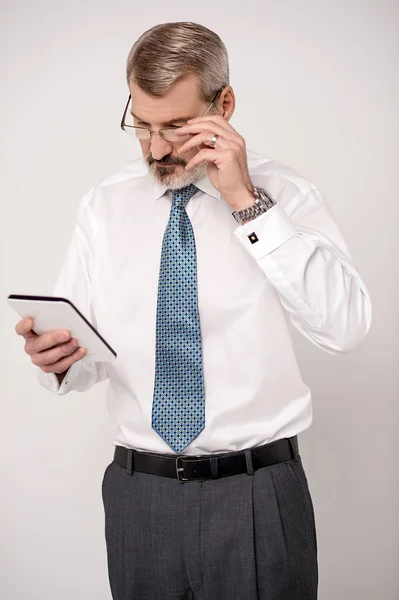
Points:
[(227, 160)]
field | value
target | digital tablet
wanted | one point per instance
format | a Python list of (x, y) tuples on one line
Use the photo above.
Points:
[(50, 313)]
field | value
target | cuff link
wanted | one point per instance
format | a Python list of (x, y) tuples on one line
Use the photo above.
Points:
[(253, 238)]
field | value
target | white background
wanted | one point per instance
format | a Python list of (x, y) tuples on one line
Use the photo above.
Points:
[(317, 88)]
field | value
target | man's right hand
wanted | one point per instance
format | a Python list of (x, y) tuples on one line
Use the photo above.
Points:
[(53, 352)]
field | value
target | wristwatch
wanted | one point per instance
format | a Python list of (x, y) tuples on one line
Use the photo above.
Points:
[(263, 202)]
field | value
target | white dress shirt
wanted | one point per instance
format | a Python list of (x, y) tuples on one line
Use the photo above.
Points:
[(300, 269)]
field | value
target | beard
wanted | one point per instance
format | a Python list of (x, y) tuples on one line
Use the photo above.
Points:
[(167, 176)]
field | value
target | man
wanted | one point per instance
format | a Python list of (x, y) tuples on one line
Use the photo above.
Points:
[(190, 263)]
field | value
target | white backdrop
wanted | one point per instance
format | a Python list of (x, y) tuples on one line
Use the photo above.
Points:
[(317, 87)]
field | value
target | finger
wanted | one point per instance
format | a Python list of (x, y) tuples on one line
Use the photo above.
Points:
[(62, 365), (215, 120), (214, 156), (210, 128), (54, 354), (24, 328), (46, 340), (205, 138)]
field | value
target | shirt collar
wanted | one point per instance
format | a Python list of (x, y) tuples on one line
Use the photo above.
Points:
[(202, 184)]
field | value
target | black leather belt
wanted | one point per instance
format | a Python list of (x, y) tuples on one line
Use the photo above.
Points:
[(199, 467)]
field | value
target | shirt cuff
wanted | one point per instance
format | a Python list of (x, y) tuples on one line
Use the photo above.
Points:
[(69, 378), (267, 232), (50, 380)]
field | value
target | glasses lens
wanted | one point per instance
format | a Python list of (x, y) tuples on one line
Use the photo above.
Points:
[(139, 132), (171, 136)]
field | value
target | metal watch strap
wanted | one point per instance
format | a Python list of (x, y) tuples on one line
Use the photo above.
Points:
[(263, 202)]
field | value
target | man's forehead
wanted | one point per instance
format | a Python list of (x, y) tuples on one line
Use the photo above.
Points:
[(181, 101), (163, 111)]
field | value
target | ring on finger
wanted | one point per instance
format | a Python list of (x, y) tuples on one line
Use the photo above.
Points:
[(213, 140)]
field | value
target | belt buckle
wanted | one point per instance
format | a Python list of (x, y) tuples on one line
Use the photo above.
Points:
[(180, 470)]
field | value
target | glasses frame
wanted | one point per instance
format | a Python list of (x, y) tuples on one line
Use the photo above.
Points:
[(160, 131)]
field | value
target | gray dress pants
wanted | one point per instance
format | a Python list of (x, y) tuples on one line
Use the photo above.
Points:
[(241, 537)]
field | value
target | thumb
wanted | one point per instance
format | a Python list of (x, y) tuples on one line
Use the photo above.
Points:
[(24, 328)]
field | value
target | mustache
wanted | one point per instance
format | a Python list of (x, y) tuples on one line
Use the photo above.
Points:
[(171, 161)]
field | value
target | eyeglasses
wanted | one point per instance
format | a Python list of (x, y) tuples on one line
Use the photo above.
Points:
[(144, 133)]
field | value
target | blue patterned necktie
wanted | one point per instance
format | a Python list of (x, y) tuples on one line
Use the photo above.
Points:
[(178, 410)]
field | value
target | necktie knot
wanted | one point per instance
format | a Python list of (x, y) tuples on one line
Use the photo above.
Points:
[(182, 196)]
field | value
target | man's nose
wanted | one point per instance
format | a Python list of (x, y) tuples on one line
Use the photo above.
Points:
[(159, 147)]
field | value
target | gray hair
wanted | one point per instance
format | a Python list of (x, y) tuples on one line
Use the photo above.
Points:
[(165, 53)]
